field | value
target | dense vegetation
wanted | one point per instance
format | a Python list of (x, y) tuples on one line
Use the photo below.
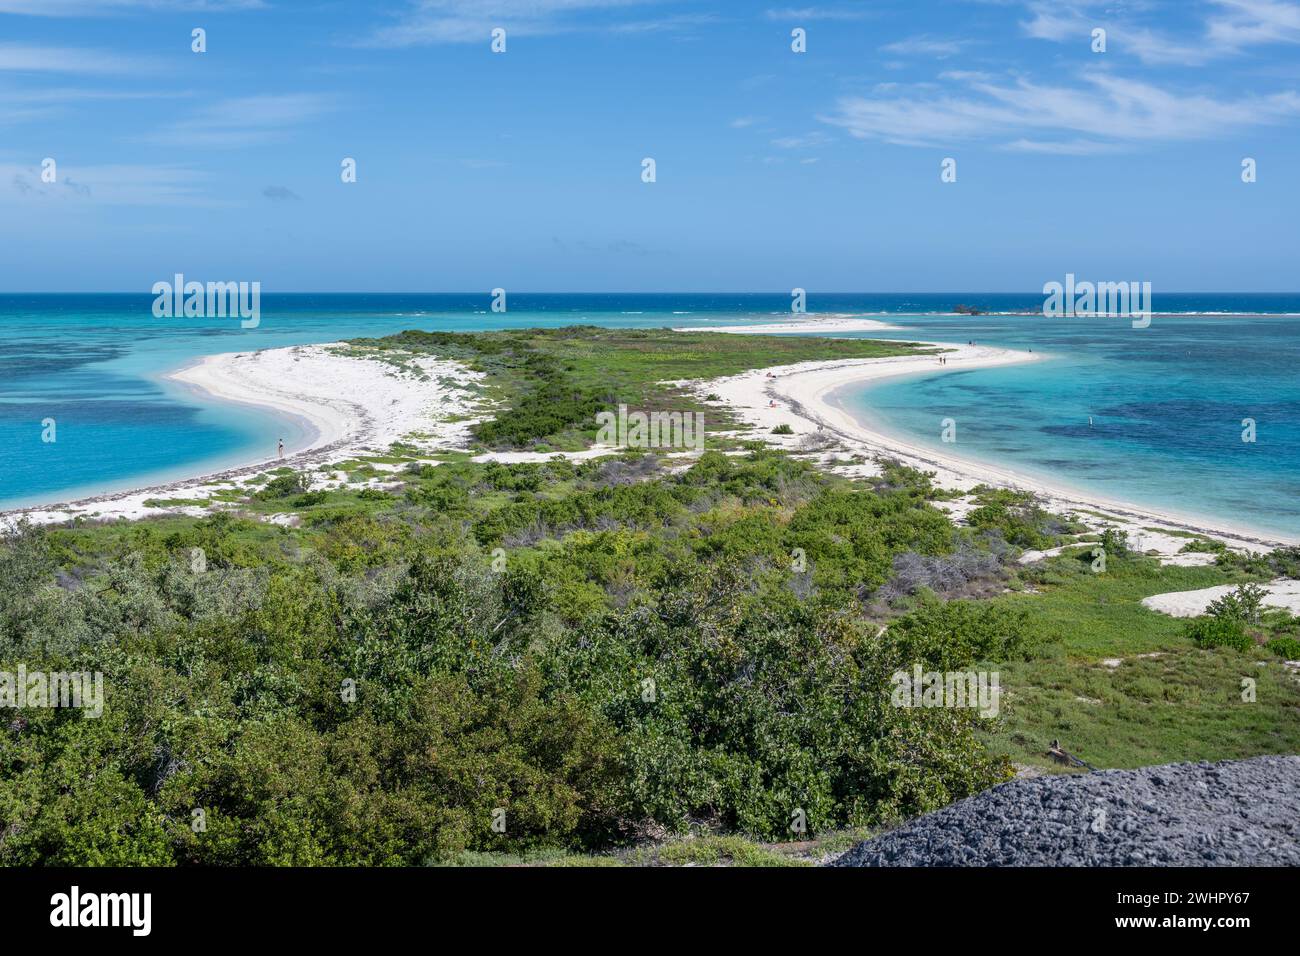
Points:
[(552, 382), (653, 662), (581, 655)]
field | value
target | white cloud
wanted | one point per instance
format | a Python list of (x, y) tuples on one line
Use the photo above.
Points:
[(1073, 147), (807, 141), (1237, 25), (244, 121), (677, 22), (816, 13), (27, 58), (1156, 48), (1106, 108), (471, 21), (20, 105), (77, 8), (1056, 21), (1249, 22), (924, 46)]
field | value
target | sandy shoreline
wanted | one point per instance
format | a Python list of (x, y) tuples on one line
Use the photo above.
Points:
[(802, 396), (351, 406)]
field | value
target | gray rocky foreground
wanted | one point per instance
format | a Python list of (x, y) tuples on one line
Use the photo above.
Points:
[(1233, 813)]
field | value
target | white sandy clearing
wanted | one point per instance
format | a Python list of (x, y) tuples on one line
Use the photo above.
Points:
[(347, 400), (1282, 593), (813, 324), (353, 405), (1167, 548), (802, 396)]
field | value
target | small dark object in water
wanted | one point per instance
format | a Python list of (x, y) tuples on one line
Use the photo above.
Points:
[(967, 310)]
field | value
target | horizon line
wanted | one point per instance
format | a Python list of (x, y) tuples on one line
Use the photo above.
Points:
[(780, 292)]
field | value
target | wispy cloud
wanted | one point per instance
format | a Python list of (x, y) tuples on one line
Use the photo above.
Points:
[(1232, 27), (1246, 23), (82, 8), (807, 141), (28, 58), (1074, 23), (676, 23), (1055, 21), (925, 46), (244, 121), (1073, 147), (1103, 109), (25, 105), (817, 13), (426, 22)]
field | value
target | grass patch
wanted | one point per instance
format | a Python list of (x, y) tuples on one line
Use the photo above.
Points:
[(1185, 704)]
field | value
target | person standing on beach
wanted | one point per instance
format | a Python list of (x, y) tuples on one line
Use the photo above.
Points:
[(280, 449)]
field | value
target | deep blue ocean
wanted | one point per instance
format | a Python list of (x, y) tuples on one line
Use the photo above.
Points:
[(1167, 401)]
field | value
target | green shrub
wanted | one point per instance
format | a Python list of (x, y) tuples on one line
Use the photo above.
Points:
[(554, 404), (285, 486), (783, 429), (1244, 604), (1203, 546), (953, 635), (1114, 541), (1285, 562), (1211, 631), (1016, 515), (1287, 648)]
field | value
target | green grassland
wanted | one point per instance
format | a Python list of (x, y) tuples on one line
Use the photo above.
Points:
[(598, 662)]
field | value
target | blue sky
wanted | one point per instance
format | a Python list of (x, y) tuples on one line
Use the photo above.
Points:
[(775, 169)]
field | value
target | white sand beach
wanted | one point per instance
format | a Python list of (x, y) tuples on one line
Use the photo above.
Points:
[(353, 406), (1282, 593), (347, 400), (802, 396)]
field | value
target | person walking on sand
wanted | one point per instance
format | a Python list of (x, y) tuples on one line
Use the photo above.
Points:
[(280, 448)]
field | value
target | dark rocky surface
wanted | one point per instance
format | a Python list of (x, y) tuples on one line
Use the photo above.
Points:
[(1237, 812)]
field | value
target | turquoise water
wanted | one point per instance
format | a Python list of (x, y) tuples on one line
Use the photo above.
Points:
[(1167, 406), (94, 364), (1167, 401)]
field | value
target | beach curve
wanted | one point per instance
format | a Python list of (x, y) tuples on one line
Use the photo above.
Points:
[(802, 396)]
